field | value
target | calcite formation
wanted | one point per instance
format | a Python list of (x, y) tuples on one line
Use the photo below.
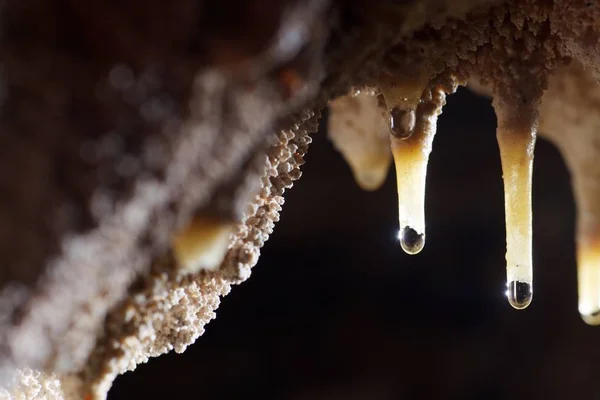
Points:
[(146, 149)]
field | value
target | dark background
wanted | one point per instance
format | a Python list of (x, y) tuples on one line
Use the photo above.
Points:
[(335, 310)]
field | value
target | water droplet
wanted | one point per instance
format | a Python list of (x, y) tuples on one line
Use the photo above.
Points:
[(412, 242), (402, 122), (519, 294)]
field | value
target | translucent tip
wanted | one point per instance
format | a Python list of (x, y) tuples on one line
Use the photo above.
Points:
[(591, 318), (519, 294), (588, 276), (402, 122), (412, 242)]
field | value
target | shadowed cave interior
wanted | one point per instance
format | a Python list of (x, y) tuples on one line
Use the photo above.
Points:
[(336, 310)]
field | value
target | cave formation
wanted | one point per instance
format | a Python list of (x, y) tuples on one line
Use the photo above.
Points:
[(146, 150)]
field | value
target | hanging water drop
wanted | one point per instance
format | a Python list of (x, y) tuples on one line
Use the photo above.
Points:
[(402, 95), (402, 122), (516, 134), (412, 242), (519, 294)]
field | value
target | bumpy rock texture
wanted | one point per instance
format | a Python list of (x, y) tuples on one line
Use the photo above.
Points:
[(121, 122), (173, 119)]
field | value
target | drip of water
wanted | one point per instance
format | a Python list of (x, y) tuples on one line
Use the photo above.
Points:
[(519, 294), (402, 95), (402, 122), (412, 242)]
